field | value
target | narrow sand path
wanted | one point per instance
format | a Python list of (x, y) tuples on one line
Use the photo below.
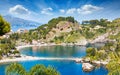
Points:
[(31, 58)]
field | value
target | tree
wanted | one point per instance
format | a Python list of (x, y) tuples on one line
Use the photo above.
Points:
[(94, 22), (17, 69), (103, 22), (113, 68), (4, 26), (70, 19), (91, 51)]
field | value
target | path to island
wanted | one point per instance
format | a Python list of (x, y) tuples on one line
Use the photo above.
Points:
[(30, 58)]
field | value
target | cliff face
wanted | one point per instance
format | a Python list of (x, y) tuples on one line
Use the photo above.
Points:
[(62, 31), (100, 39), (63, 27), (67, 30), (110, 34)]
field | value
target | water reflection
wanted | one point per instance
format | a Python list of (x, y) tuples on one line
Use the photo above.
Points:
[(55, 51)]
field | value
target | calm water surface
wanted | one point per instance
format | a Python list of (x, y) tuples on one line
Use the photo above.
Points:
[(64, 67)]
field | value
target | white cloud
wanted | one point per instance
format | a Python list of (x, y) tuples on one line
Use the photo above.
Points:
[(88, 9), (19, 9), (71, 11), (85, 9), (47, 11), (62, 10)]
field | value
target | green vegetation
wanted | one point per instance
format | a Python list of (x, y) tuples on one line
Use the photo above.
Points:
[(18, 69), (6, 44), (44, 29), (93, 23), (4, 26), (114, 68), (68, 30), (74, 37), (64, 30), (111, 50)]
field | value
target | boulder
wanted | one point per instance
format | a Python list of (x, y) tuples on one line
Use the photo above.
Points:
[(87, 67)]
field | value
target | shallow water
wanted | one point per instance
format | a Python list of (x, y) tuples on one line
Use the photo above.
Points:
[(64, 67)]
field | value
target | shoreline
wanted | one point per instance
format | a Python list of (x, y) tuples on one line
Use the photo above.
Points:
[(24, 57), (32, 58), (20, 47), (49, 44), (39, 45), (18, 59), (86, 64)]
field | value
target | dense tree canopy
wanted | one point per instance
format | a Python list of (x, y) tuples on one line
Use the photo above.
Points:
[(101, 22), (18, 69), (4, 26)]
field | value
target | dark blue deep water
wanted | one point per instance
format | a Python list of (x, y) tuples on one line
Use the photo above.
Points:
[(64, 67)]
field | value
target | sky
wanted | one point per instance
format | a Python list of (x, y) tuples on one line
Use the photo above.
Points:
[(43, 10)]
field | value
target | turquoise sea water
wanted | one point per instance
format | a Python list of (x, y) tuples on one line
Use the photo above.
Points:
[(64, 67)]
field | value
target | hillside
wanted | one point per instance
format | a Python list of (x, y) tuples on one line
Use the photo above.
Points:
[(66, 30), (110, 52), (61, 30)]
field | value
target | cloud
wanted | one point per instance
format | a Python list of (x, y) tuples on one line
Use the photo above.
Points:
[(80, 11), (19, 9), (47, 11), (88, 9), (71, 11), (85, 9), (62, 10)]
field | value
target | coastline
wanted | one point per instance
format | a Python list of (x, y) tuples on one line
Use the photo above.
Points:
[(31, 58), (28, 58), (20, 47), (21, 58), (17, 59), (49, 44), (85, 66)]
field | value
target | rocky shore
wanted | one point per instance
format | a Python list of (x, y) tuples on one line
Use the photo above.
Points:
[(88, 65)]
